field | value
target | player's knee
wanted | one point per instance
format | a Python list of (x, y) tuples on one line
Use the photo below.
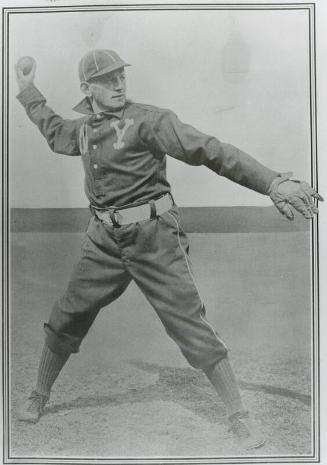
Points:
[(61, 343), (201, 359)]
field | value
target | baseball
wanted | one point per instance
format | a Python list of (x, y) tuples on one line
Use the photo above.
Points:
[(26, 64)]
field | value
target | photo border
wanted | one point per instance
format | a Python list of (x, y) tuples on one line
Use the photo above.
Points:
[(7, 12)]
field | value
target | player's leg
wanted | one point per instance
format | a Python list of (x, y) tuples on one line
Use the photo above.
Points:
[(223, 379), (97, 279), (165, 276)]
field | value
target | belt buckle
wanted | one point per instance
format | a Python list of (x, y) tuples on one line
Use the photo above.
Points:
[(115, 216)]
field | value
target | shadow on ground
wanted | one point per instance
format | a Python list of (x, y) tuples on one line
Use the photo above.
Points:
[(185, 386)]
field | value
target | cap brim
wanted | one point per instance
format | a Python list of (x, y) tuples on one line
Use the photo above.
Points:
[(110, 68)]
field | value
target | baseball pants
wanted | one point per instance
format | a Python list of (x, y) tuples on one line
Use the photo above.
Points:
[(155, 254)]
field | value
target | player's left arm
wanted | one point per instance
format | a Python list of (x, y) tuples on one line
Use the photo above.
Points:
[(166, 134)]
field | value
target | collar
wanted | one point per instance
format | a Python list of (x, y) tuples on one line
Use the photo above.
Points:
[(85, 107)]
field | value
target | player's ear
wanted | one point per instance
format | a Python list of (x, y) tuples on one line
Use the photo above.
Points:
[(85, 88)]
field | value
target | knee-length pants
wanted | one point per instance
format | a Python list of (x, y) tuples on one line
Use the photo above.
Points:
[(155, 254)]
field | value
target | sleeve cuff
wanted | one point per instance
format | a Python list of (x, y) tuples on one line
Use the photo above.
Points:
[(281, 177), (30, 95)]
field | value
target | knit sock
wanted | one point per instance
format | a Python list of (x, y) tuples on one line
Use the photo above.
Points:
[(223, 380), (50, 366)]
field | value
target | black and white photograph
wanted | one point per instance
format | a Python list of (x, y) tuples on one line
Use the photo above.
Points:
[(163, 218)]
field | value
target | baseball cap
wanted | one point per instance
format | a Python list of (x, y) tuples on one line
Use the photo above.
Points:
[(98, 62)]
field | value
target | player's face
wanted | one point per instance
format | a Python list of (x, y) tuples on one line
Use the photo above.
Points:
[(109, 90)]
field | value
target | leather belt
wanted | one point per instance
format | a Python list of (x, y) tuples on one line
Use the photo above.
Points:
[(117, 216)]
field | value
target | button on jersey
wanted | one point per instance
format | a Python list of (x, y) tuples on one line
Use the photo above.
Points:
[(118, 165)]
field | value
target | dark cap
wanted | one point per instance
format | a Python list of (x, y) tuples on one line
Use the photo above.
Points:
[(98, 62)]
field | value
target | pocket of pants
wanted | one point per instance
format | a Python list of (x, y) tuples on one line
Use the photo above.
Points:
[(172, 219), (84, 245), (90, 223), (86, 238)]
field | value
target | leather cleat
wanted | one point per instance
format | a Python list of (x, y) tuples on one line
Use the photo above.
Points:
[(245, 431), (33, 408)]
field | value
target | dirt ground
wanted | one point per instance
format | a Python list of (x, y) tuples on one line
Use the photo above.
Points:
[(129, 393)]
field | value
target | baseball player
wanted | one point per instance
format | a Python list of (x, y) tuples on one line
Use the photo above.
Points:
[(134, 232)]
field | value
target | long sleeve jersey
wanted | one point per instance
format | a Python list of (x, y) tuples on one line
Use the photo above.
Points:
[(124, 153)]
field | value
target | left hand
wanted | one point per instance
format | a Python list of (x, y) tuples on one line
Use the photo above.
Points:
[(286, 193)]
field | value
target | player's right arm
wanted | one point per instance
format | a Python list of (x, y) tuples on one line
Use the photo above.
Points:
[(61, 134)]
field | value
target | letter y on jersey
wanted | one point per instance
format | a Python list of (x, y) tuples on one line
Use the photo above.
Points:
[(120, 131)]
